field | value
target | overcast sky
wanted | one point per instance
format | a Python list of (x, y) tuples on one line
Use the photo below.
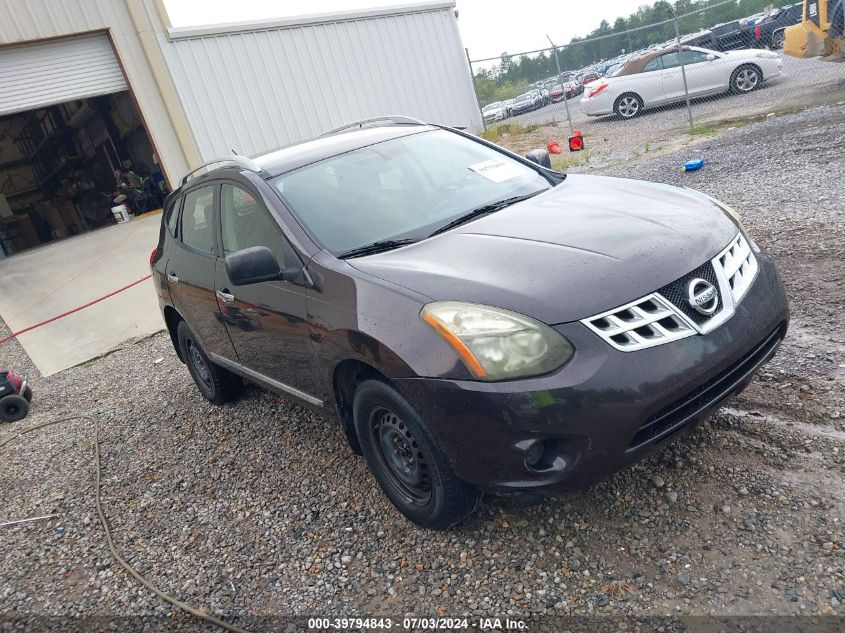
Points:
[(488, 27)]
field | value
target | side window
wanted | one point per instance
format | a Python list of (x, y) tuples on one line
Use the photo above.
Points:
[(691, 57), (654, 64), (670, 60), (245, 222), (197, 214), (171, 216)]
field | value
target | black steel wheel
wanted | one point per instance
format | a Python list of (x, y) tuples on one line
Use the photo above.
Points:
[(13, 408), (214, 382), (406, 460), (400, 456)]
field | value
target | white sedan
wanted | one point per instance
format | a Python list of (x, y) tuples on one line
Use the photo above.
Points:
[(656, 79), (494, 112)]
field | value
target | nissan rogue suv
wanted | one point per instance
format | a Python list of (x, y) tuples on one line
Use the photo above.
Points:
[(474, 320)]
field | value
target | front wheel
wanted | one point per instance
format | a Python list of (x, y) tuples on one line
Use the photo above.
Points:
[(406, 461), (746, 79), (628, 106), (778, 39)]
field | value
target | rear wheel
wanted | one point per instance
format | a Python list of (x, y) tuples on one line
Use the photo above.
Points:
[(628, 106), (406, 461), (746, 79), (214, 382), (13, 408)]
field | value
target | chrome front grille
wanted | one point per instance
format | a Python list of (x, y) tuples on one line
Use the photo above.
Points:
[(665, 316), (738, 266), (644, 323)]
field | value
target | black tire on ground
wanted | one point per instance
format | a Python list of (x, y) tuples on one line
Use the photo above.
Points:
[(778, 39), (215, 383), (406, 461), (27, 393), (747, 78), (628, 106), (13, 408)]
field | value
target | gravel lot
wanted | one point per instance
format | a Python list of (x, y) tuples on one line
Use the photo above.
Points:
[(804, 82), (258, 509)]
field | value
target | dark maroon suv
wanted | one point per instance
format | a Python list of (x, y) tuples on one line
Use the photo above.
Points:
[(476, 321)]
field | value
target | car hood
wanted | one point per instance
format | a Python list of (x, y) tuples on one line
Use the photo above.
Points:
[(588, 245)]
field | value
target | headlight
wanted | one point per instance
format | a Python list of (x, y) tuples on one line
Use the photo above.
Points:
[(734, 217), (497, 344), (767, 55)]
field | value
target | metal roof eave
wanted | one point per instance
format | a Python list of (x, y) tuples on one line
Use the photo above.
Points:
[(188, 32)]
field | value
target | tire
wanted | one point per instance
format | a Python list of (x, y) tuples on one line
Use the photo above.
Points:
[(27, 393), (778, 39), (13, 408), (628, 106), (746, 79), (215, 383), (406, 461)]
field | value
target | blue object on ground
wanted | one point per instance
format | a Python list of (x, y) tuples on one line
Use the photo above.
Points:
[(693, 165)]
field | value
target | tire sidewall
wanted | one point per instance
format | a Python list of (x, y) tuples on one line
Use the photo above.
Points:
[(372, 394), (19, 403)]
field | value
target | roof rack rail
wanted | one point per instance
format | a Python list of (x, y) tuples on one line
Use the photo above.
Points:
[(241, 161), (397, 119)]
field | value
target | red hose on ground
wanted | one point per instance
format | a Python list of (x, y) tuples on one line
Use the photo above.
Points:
[(69, 312)]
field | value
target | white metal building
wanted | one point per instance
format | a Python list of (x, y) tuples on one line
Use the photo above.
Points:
[(110, 83)]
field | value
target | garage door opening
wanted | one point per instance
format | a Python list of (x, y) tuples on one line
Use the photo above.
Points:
[(72, 144)]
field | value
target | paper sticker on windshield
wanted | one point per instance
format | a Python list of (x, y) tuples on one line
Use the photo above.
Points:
[(498, 169)]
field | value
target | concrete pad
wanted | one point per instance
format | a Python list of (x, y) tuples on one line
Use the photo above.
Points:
[(47, 281)]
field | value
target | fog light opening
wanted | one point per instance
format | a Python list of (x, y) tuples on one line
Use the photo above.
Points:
[(540, 455)]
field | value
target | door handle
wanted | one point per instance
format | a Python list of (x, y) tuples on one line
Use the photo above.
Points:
[(225, 297), (172, 278)]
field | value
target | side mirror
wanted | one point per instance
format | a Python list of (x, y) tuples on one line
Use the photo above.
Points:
[(541, 157), (252, 265)]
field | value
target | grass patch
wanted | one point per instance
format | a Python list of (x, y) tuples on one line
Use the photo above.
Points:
[(701, 129), (564, 162), (495, 133)]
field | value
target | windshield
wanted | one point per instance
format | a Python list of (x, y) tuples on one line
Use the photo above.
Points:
[(493, 106), (403, 188)]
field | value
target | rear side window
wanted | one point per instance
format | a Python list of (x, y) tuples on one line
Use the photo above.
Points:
[(245, 223), (197, 224), (171, 216), (654, 64)]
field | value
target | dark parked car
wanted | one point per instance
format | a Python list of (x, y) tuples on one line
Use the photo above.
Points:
[(475, 321)]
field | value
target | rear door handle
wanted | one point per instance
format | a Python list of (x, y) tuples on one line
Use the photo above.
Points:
[(172, 278), (225, 297)]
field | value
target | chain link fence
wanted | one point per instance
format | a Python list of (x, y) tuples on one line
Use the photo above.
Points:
[(698, 62)]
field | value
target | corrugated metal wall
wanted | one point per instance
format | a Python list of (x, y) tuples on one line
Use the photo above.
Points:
[(261, 89), (25, 20)]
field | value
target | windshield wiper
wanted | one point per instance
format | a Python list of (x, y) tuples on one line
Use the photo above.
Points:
[(484, 210), (375, 247)]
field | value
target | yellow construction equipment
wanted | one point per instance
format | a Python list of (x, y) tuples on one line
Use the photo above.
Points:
[(820, 32)]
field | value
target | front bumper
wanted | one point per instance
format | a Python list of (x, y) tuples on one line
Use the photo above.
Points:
[(605, 409)]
